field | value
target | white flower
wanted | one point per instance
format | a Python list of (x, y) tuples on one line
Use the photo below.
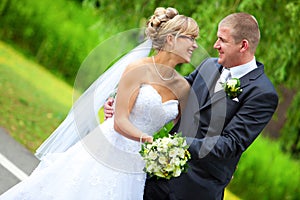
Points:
[(173, 152), (232, 87), (162, 160), (175, 142), (175, 161), (177, 172), (166, 157), (181, 153), (170, 168), (232, 82), (152, 155)]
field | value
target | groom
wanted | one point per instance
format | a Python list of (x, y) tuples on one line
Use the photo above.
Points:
[(220, 125)]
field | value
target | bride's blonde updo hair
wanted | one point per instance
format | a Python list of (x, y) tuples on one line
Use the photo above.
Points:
[(168, 21)]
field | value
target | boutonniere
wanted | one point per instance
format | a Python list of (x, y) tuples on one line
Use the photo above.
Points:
[(232, 87)]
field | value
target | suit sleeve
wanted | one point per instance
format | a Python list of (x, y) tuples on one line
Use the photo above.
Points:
[(242, 129), (191, 77)]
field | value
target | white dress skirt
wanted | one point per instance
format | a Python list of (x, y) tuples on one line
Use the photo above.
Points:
[(104, 165)]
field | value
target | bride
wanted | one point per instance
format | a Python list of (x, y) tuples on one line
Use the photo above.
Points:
[(106, 164)]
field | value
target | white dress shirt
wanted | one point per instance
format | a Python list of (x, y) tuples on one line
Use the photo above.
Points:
[(235, 72), (241, 70)]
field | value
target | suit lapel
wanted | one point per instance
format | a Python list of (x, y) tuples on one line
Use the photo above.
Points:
[(213, 96), (208, 74), (245, 81)]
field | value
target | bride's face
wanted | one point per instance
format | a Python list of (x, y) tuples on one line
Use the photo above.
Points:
[(184, 47)]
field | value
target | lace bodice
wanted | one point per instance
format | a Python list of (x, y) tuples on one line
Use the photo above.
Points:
[(149, 113)]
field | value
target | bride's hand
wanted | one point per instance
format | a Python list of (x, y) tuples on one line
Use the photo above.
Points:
[(149, 139), (108, 108), (146, 138)]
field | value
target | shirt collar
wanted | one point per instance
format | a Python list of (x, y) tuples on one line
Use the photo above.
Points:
[(241, 70)]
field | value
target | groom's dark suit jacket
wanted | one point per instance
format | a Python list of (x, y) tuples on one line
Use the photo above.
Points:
[(220, 129)]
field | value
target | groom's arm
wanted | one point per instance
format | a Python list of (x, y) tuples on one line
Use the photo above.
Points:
[(192, 76), (241, 131)]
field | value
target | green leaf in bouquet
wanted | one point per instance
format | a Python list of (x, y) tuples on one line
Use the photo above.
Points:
[(164, 131)]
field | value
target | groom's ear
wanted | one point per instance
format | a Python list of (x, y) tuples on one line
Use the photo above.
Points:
[(244, 45)]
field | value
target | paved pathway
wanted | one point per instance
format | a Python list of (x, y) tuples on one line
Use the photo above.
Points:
[(16, 162)]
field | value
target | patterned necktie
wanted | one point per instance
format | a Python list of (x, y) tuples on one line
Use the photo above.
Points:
[(225, 75)]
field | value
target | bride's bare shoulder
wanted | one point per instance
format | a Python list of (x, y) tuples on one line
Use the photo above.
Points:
[(139, 64)]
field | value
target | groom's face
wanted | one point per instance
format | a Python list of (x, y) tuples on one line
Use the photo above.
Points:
[(228, 49)]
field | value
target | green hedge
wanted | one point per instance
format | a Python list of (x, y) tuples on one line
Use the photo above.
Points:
[(59, 34), (265, 173)]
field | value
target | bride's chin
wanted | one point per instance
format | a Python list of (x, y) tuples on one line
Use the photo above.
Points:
[(188, 59)]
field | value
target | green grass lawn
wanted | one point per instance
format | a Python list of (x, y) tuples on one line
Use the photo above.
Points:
[(33, 101)]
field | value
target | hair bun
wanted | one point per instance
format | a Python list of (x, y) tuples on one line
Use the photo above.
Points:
[(162, 15), (160, 24), (159, 11), (171, 12)]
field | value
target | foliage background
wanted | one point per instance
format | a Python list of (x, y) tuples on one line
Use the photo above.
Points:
[(60, 34)]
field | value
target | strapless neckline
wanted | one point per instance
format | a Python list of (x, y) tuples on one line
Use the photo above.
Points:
[(156, 92)]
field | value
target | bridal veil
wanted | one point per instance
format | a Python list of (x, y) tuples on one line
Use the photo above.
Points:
[(83, 116)]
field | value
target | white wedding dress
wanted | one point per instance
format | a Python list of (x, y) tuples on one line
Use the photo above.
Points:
[(104, 165)]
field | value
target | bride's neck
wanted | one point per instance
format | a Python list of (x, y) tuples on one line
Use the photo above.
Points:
[(165, 59)]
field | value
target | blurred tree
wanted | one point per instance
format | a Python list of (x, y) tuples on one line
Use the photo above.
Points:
[(69, 35), (290, 77)]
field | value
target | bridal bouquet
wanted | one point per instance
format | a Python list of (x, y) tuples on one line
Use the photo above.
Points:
[(167, 156)]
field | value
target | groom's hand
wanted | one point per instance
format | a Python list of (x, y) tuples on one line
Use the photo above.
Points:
[(108, 108)]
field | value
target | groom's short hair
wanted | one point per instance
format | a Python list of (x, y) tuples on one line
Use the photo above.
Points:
[(243, 26)]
